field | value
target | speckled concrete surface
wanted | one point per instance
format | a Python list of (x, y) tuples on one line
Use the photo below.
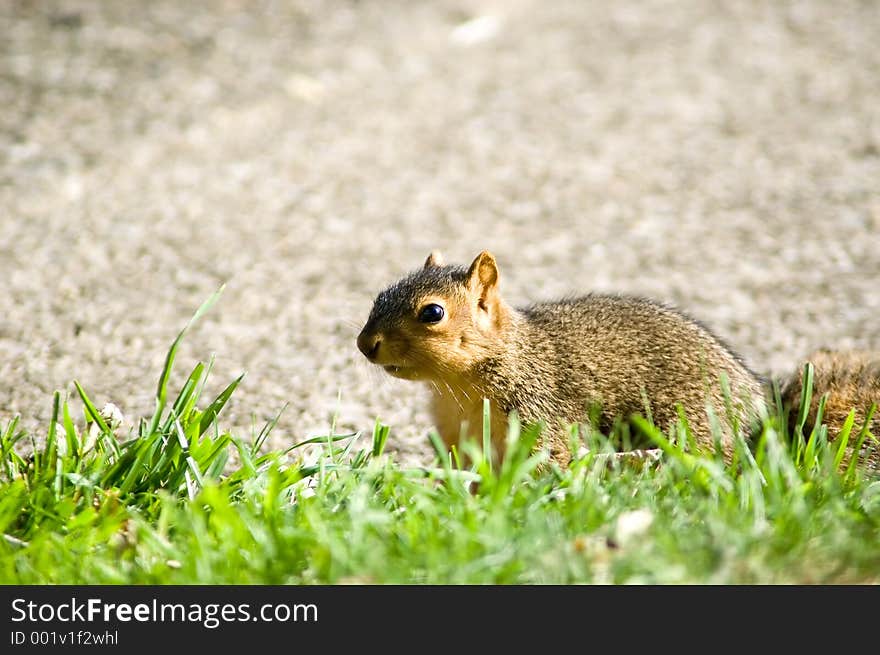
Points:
[(721, 156)]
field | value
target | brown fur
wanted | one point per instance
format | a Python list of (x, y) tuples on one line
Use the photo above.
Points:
[(851, 381), (552, 361)]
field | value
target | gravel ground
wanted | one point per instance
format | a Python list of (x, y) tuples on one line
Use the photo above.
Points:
[(721, 156)]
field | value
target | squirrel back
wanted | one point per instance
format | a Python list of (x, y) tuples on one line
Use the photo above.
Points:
[(557, 362)]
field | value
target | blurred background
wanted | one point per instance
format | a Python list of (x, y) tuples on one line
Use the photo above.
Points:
[(721, 156)]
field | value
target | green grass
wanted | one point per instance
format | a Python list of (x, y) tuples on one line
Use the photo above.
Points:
[(180, 500)]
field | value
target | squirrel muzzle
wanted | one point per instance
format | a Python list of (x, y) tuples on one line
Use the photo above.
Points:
[(368, 343)]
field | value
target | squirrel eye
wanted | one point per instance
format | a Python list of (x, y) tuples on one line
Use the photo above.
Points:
[(432, 313)]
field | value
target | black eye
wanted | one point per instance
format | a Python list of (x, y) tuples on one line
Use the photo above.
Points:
[(431, 313)]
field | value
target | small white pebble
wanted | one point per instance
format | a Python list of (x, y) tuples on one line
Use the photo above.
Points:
[(477, 30), (112, 414), (632, 524)]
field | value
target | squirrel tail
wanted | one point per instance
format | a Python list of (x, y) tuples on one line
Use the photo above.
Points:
[(850, 381)]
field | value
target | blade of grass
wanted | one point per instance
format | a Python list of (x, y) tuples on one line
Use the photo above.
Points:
[(852, 469), (162, 389), (105, 435), (187, 397), (91, 410), (74, 443), (264, 433), (816, 432), (51, 437), (806, 399), (380, 436), (843, 437), (219, 402), (487, 433)]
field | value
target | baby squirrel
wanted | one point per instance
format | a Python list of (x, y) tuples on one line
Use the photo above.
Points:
[(599, 356)]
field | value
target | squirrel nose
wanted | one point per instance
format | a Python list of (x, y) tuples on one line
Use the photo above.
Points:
[(368, 344)]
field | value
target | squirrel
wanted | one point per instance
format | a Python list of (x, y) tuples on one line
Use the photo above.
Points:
[(604, 357)]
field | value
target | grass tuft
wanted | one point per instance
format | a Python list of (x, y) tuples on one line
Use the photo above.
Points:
[(177, 499)]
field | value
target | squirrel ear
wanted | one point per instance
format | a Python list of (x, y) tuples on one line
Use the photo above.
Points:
[(434, 260), (483, 274)]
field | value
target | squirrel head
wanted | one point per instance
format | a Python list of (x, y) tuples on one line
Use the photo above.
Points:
[(438, 322)]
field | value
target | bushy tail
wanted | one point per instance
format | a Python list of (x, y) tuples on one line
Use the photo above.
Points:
[(851, 380)]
